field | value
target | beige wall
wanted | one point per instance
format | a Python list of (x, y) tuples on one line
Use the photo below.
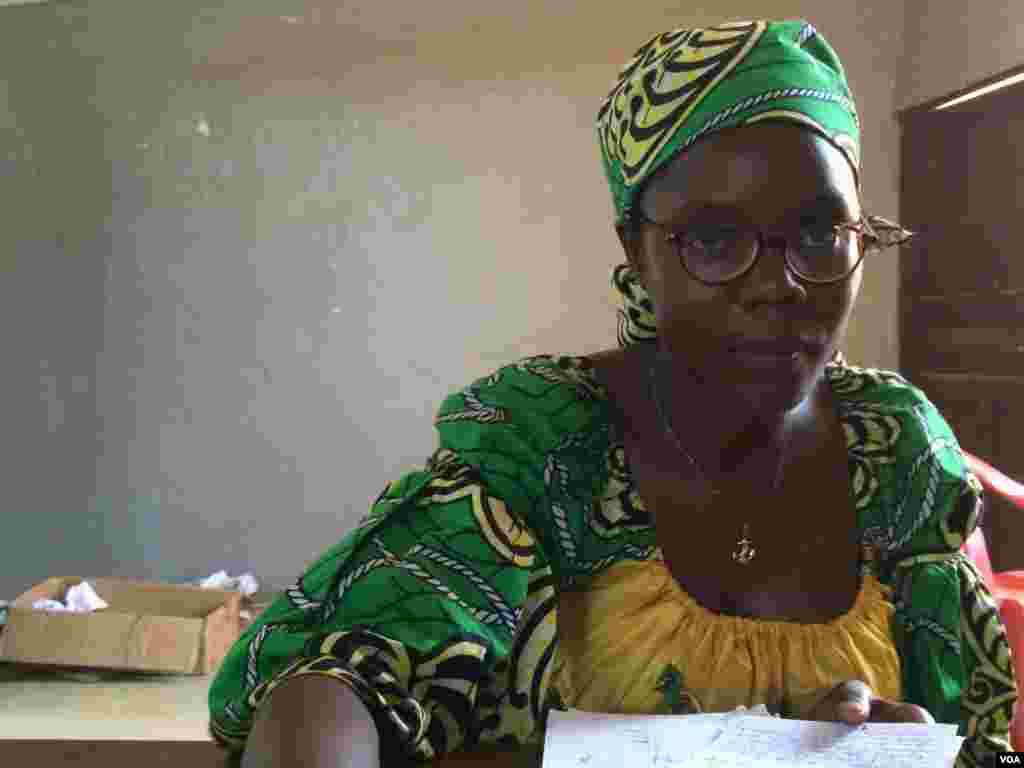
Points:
[(949, 46), (247, 255)]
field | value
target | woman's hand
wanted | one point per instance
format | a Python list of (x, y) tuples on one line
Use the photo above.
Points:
[(853, 702)]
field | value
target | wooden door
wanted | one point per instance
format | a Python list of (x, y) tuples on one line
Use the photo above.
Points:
[(962, 284)]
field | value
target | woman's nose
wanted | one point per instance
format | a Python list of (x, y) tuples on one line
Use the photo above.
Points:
[(771, 280)]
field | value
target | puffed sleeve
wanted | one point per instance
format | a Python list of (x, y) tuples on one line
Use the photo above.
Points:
[(436, 610), (988, 698), (954, 649)]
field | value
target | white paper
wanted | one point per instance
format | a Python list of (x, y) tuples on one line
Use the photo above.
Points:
[(215, 580), (49, 605), (584, 740), (591, 740), (740, 740), (246, 583), (783, 743), (81, 598)]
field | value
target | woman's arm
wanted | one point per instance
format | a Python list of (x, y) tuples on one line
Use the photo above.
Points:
[(312, 722), (435, 612)]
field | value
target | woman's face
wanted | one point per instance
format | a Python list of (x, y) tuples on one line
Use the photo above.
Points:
[(740, 336)]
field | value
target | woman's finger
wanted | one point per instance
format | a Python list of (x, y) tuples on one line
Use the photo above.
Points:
[(852, 702), (848, 702), (885, 711)]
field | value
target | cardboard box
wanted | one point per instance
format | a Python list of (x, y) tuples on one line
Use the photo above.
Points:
[(148, 627)]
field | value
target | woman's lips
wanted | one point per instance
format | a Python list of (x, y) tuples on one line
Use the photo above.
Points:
[(770, 351), (781, 346)]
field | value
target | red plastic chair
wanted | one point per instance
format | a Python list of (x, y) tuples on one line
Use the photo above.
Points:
[(1007, 586)]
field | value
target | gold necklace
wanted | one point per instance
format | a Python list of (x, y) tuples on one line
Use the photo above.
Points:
[(745, 551)]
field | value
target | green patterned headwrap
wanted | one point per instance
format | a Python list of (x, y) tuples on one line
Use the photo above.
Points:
[(688, 83)]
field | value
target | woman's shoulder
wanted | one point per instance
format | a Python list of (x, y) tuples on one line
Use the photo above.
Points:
[(914, 488), (524, 391), (532, 406), (853, 384), (886, 393), (537, 432)]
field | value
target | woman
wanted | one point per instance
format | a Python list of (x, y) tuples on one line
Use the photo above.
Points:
[(721, 512)]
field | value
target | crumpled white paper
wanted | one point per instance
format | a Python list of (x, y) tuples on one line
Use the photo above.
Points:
[(49, 605), (246, 583), (81, 598)]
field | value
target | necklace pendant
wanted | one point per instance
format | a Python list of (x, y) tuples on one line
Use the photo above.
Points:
[(746, 551)]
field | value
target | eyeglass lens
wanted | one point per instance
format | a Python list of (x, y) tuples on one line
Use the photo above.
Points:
[(720, 254)]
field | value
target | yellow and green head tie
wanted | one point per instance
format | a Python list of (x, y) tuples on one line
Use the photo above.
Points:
[(688, 83)]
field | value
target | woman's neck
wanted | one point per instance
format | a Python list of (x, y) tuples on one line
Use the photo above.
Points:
[(726, 436)]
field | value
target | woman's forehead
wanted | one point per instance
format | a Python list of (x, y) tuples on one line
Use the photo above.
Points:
[(765, 169)]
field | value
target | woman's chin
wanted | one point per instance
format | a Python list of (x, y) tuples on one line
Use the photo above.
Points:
[(779, 400), (775, 388)]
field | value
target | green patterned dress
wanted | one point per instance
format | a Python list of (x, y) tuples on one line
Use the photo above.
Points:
[(440, 608)]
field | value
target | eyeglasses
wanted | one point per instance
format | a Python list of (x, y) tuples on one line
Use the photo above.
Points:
[(720, 253)]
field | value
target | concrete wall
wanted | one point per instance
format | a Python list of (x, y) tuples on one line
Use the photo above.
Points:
[(949, 46)]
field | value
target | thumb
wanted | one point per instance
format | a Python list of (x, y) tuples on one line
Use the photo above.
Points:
[(852, 702)]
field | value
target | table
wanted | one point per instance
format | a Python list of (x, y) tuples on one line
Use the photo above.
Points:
[(47, 719), (131, 720), (152, 720)]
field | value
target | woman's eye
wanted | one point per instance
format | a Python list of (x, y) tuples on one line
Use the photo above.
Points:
[(822, 235), (714, 238)]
